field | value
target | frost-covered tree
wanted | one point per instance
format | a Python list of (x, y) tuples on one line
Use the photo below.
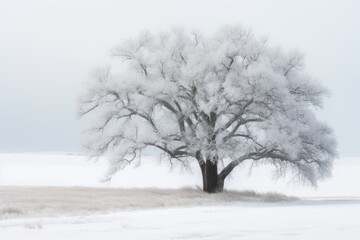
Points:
[(218, 100)]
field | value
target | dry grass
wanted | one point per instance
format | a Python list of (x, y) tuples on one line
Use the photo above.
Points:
[(22, 202), (32, 225)]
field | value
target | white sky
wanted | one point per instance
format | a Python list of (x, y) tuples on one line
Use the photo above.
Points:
[(47, 49)]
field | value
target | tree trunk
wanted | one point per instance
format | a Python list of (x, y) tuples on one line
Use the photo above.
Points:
[(212, 183)]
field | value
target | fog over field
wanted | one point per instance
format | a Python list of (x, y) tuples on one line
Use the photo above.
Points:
[(75, 170)]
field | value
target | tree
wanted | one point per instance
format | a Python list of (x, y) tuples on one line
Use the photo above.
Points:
[(218, 100)]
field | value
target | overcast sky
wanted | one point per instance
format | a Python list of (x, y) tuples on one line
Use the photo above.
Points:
[(48, 48)]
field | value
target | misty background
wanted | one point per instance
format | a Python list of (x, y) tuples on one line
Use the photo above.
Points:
[(48, 49)]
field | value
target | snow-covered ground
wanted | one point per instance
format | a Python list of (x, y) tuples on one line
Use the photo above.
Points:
[(329, 212), (330, 221)]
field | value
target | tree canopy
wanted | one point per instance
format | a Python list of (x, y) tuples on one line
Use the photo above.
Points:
[(226, 97)]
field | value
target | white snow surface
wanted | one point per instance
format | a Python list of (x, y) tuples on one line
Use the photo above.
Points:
[(338, 220), (329, 212)]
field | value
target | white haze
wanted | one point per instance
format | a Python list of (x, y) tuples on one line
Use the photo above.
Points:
[(47, 48)]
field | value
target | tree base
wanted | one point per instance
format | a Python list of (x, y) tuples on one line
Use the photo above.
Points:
[(212, 182)]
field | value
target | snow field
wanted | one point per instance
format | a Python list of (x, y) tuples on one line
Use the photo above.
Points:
[(54, 196), (331, 221)]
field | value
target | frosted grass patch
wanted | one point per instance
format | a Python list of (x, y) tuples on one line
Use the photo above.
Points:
[(23, 202), (32, 225)]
